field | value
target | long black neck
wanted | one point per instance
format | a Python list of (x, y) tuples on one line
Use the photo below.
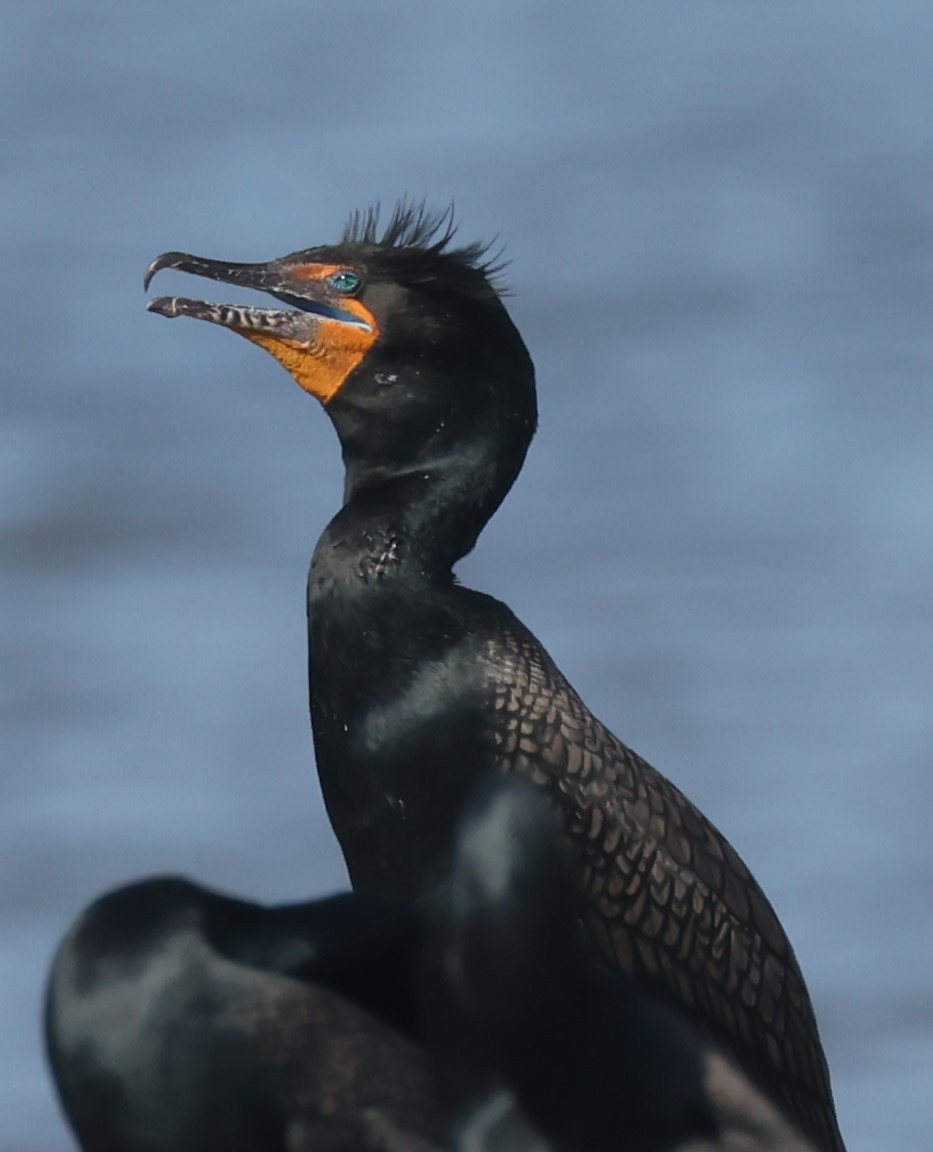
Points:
[(415, 525), (395, 691), (430, 457)]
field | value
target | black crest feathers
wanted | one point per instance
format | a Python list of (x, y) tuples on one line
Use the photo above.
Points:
[(425, 240)]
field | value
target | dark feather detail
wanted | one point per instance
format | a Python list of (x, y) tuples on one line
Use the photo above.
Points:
[(427, 240)]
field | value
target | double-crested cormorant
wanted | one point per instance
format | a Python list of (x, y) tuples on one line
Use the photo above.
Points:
[(181, 1020), (405, 339)]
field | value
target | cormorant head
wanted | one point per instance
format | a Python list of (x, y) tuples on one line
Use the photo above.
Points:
[(403, 337)]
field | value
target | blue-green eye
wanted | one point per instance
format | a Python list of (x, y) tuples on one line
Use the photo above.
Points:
[(346, 281)]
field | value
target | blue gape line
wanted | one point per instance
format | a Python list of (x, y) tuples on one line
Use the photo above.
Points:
[(320, 309)]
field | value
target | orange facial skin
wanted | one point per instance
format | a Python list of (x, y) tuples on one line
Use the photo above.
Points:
[(320, 341), (321, 365)]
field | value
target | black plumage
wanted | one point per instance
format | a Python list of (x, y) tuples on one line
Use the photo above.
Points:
[(592, 1057), (182, 1020), (415, 680)]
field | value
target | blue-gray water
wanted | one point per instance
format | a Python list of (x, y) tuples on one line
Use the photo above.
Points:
[(720, 217)]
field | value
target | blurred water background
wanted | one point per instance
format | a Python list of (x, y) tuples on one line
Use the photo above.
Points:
[(720, 217)]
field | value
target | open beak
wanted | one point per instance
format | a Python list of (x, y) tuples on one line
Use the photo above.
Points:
[(302, 292), (318, 339)]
